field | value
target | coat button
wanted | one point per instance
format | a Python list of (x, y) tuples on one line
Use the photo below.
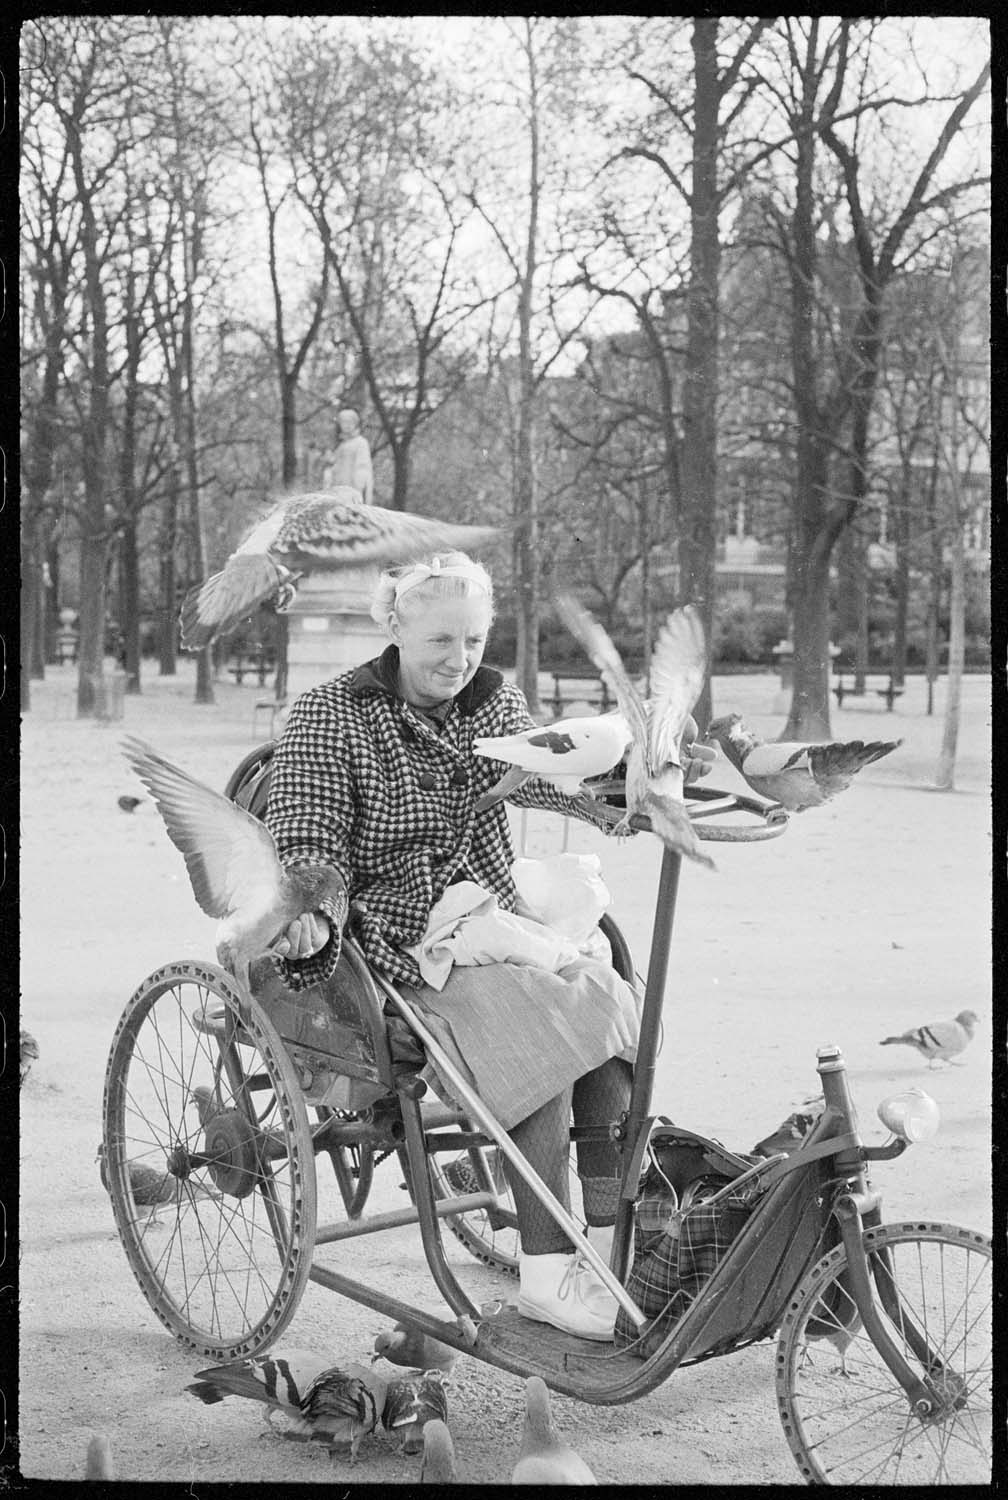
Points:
[(427, 781)]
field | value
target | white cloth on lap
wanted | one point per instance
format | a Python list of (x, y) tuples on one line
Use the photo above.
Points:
[(468, 927)]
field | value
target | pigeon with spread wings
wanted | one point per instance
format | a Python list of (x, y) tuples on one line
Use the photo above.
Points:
[(233, 865), (320, 530), (797, 776), (654, 778)]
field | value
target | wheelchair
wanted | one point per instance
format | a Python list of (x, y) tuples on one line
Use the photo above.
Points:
[(235, 1097)]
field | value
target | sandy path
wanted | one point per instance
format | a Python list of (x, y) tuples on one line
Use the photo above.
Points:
[(864, 918)]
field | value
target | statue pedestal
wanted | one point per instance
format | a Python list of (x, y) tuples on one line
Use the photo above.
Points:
[(329, 626)]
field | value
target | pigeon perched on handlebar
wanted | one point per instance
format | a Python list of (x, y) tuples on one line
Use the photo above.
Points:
[(564, 752), (410, 1403), (655, 778), (319, 530), (795, 775), (234, 869), (940, 1041), (437, 1466), (545, 1458), (331, 1404)]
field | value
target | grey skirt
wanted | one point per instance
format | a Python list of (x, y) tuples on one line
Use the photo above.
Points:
[(520, 1035)]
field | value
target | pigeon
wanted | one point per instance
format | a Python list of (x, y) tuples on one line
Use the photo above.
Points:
[(28, 1052), (130, 804), (413, 1350), (563, 753), (233, 865), (437, 1466), (98, 1464), (940, 1041), (797, 776), (545, 1458), (152, 1188), (654, 778), (326, 1403), (304, 532), (410, 1403)]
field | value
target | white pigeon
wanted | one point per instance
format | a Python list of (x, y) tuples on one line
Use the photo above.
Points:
[(323, 529), (654, 778), (563, 753), (545, 1458), (233, 865), (939, 1041)]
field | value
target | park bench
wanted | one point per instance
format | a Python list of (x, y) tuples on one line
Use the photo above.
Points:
[(258, 662), (591, 689), (890, 693)]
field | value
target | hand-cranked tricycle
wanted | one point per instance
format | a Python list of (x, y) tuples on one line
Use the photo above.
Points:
[(883, 1362)]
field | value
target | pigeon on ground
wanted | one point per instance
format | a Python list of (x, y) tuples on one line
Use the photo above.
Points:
[(233, 865), (331, 1404), (134, 804), (564, 752), (940, 1041), (437, 1466), (99, 1465), (545, 1458), (797, 776), (414, 1350), (304, 532), (28, 1052), (654, 778), (152, 1188), (412, 1401)]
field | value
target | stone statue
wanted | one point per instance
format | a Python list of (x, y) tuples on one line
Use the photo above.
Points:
[(351, 463)]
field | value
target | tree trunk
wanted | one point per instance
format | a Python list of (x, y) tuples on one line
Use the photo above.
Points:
[(945, 773), (129, 599), (29, 610), (808, 718), (901, 584), (526, 541), (698, 505), (167, 580), (934, 581), (863, 593), (90, 661)]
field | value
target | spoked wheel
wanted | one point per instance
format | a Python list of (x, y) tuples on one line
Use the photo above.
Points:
[(204, 1116), (491, 1234), (846, 1418)]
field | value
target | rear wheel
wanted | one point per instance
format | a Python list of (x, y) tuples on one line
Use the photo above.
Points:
[(203, 1114), (846, 1418)]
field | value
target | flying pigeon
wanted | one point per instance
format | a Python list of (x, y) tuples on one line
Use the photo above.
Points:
[(940, 1041), (413, 1350), (564, 752), (797, 776), (545, 1458), (99, 1465), (28, 1052), (654, 778), (331, 1404), (233, 865), (319, 530), (410, 1403), (437, 1466)]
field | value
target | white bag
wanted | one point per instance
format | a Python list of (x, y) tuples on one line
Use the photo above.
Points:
[(565, 891)]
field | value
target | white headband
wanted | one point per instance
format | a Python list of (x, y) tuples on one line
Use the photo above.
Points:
[(420, 572)]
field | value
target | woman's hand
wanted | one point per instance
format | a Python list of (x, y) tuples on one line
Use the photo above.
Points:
[(307, 934), (696, 758)]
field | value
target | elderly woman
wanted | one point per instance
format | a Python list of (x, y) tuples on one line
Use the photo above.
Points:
[(375, 778)]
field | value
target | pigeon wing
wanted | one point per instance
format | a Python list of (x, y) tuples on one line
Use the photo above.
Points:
[(336, 526), (603, 654), (228, 853), (213, 608), (678, 669), (834, 765)]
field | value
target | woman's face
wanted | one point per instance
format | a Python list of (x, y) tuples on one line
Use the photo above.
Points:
[(441, 643)]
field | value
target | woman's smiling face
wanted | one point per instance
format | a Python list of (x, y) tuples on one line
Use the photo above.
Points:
[(441, 644)]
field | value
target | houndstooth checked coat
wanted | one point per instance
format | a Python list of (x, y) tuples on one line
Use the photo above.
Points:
[(366, 785)]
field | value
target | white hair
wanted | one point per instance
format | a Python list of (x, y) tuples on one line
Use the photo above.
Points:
[(444, 575)]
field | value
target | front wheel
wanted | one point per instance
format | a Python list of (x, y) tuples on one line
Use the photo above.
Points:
[(845, 1417)]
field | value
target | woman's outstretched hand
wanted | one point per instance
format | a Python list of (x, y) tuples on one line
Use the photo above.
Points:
[(307, 934)]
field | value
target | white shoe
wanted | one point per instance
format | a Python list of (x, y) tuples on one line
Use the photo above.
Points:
[(565, 1292)]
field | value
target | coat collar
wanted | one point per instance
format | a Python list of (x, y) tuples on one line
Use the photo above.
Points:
[(381, 675)]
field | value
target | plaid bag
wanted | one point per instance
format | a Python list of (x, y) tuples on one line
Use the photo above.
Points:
[(677, 1250)]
